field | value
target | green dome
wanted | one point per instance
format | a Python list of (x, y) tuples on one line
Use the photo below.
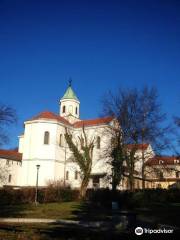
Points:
[(69, 94)]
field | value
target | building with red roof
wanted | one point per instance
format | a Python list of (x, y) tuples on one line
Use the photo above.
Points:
[(43, 144)]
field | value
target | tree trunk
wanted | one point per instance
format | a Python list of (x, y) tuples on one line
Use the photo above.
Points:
[(143, 169), (131, 182), (143, 178), (83, 187)]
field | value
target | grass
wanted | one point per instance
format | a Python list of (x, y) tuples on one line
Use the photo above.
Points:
[(154, 214), (55, 232), (63, 210)]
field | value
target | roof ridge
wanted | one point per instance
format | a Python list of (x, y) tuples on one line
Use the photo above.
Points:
[(97, 118), (50, 115), (94, 121)]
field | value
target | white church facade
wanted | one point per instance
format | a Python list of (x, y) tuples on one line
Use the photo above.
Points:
[(43, 144)]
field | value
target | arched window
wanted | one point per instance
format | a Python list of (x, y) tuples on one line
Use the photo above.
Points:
[(60, 140), (76, 175), (9, 178), (76, 111), (46, 137), (67, 175), (98, 142), (64, 109)]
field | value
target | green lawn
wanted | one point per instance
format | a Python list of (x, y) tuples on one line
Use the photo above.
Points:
[(63, 210), (155, 214)]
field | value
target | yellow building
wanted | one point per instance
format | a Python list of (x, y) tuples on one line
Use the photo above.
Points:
[(163, 170)]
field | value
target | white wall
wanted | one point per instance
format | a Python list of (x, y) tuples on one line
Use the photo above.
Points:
[(70, 105), (10, 167), (49, 157)]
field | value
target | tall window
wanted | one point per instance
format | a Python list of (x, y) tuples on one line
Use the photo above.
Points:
[(46, 137), (76, 175), (76, 110), (67, 175), (60, 140), (9, 178), (64, 109), (98, 142)]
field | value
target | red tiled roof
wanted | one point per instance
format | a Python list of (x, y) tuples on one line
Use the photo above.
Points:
[(50, 115), (10, 154), (92, 122), (138, 146), (166, 160), (78, 124)]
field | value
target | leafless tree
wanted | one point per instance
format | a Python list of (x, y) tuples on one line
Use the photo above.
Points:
[(138, 113), (177, 122), (7, 117), (83, 157)]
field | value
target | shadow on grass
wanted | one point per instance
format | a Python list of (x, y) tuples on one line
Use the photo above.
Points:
[(88, 211), (56, 232), (84, 212), (10, 211)]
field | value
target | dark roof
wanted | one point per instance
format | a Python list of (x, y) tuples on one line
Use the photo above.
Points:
[(164, 160), (50, 115), (93, 122), (78, 124), (11, 155)]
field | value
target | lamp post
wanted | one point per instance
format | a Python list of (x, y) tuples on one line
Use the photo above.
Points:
[(65, 153), (36, 195)]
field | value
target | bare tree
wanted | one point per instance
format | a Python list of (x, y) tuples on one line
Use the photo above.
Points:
[(140, 121), (123, 107), (151, 125), (83, 157), (177, 122), (7, 117)]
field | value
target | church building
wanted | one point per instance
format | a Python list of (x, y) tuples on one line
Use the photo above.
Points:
[(43, 150)]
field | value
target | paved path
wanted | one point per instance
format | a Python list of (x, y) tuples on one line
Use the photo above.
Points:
[(44, 220)]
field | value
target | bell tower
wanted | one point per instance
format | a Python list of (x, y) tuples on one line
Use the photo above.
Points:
[(69, 105)]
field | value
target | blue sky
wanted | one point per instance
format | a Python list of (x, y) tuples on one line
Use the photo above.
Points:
[(101, 45)]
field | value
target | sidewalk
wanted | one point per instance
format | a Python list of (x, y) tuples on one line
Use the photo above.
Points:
[(44, 220)]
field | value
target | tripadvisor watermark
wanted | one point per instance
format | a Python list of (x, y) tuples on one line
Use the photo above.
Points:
[(140, 231)]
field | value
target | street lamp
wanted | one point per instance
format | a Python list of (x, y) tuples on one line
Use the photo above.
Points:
[(65, 155), (36, 195)]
